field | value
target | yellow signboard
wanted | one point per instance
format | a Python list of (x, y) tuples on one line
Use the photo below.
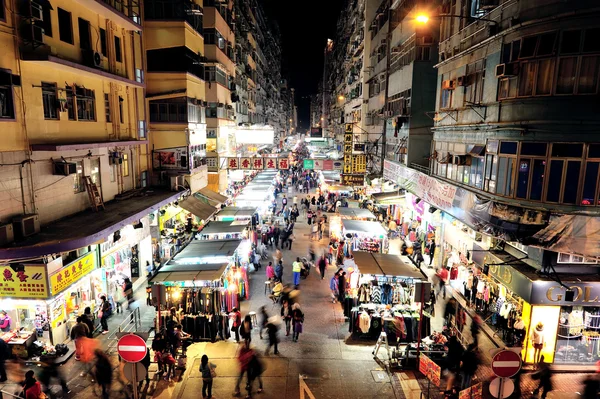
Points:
[(29, 281), (349, 127), (69, 274)]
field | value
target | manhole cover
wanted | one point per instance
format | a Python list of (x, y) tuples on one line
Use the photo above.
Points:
[(380, 376)]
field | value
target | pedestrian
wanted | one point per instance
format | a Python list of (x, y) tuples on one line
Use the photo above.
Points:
[(283, 202), (264, 317), (244, 357), (544, 374), (105, 312), (279, 270), (32, 389), (159, 346), (79, 330), (321, 228), (296, 269), (591, 387), (286, 314), (246, 330), (272, 329), (276, 233), (87, 319), (453, 358), (342, 286), (50, 371), (431, 249), (270, 271), (208, 373), (5, 353), (476, 323), (237, 321), (442, 275), (298, 318), (103, 373), (278, 255), (255, 370), (334, 287), (469, 363), (5, 321), (309, 215), (322, 265), (146, 361)]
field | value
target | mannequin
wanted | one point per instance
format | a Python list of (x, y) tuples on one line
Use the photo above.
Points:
[(537, 341)]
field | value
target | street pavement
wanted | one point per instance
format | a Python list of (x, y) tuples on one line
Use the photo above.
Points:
[(324, 362)]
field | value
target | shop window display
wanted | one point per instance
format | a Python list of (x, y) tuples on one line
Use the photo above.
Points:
[(578, 338)]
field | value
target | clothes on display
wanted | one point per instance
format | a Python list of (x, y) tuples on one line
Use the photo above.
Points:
[(400, 322), (578, 335)]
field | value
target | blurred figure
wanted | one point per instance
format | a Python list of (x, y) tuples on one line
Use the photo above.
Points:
[(453, 358), (103, 373), (88, 320), (322, 265), (255, 370), (244, 357), (264, 317), (333, 286), (286, 315), (475, 329), (272, 329), (105, 312), (208, 373), (342, 287), (544, 374), (246, 330), (469, 363), (32, 389), (159, 346), (146, 361), (79, 330), (5, 354), (50, 371), (88, 348), (591, 388), (298, 318)]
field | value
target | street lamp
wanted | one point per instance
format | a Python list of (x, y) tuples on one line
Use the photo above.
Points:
[(424, 18), (341, 97)]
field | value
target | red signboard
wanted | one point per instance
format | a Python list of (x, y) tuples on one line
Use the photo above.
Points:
[(232, 163), (245, 163), (283, 163), (258, 163), (328, 165), (506, 364), (270, 163), (132, 348)]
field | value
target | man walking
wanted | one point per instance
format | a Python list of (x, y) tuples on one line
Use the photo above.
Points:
[(296, 268), (322, 265)]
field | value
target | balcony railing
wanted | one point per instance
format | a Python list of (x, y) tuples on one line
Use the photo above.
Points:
[(174, 10), (129, 8)]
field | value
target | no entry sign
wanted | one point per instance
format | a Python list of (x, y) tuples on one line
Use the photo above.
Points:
[(132, 348), (506, 364)]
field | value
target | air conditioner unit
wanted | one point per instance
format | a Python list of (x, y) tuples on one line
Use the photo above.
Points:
[(6, 234), (177, 182), (462, 81), (461, 160), (508, 69), (64, 168), (26, 225), (448, 84)]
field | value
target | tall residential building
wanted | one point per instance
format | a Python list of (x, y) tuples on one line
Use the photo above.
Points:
[(76, 206), (515, 161), (176, 92)]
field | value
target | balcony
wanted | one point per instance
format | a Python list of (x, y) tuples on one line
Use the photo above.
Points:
[(125, 13), (175, 10)]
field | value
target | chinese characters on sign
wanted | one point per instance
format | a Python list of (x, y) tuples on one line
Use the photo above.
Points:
[(474, 392), (245, 163), (353, 180), (271, 164), (431, 370), (62, 279), (27, 281), (283, 163), (258, 163)]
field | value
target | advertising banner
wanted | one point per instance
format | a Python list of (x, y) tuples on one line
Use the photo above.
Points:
[(283, 163), (170, 158), (430, 369), (28, 281), (72, 273), (309, 164), (327, 165)]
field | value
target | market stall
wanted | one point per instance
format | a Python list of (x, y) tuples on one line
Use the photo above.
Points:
[(233, 213), (355, 214), (365, 236), (381, 296), (235, 230)]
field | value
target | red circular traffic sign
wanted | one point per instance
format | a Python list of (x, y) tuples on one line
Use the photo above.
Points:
[(132, 348), (506, 364)]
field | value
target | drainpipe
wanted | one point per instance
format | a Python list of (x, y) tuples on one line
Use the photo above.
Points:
[(388, 47)]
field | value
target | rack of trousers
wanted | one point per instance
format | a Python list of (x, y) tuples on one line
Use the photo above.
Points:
[(400, 325)]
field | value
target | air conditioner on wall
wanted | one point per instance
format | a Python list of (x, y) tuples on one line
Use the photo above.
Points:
[(6, 234), (448, 84), (508, 69), (26, 225)]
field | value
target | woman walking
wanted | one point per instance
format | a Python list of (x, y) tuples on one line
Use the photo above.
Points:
[(105, 310), (286, 314), (298, 317), (208, 373)]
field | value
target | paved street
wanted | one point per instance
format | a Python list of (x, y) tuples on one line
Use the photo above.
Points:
[(328, 363)]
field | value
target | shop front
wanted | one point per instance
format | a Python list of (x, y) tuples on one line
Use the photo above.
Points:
[(364, 236), (236, 230), (231, 214), (381, 297)]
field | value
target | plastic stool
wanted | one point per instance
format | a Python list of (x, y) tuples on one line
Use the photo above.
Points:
[(253, 318), (267, 287)]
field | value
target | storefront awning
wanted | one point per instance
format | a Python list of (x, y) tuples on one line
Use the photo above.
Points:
[(213, 197), (366, 263), (385, 265), (388, 196), (198, 206), (204, 249), (572, 234), (236, 212), (374, 229), (203, 272), (224, 228), (89, 227)]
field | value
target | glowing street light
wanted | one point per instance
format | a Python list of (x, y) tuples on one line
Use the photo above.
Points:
[(422, 18), (341, 97)]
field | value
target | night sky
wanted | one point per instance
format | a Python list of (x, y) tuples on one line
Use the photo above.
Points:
[(305, 27)]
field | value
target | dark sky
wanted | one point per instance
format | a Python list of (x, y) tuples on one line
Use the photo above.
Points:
[(305, 27)]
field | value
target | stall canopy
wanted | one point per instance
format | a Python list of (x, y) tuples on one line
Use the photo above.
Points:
[(213, 198), (572, 234), (388, 196), (224, 227), (234, 212), (199, 272), (363, 226), (356, 213), (385, 265), (204, 249), (198, 206)]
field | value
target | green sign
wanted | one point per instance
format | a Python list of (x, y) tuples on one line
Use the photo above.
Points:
[(309, 164)]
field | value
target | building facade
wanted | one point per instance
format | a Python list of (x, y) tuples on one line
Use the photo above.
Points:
[(516, 189)]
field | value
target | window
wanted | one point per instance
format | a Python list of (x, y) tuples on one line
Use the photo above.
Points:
[(526, 78), (568, 258), (506, 171), (567, 150), (103, 42), (65, 26), (588, 75), (508, 147), (84, 34), (446, 101), (590, 183), (125, 165), (523, 177), (2, 11), (78, 182), (507, 88), (70, 102), (144, 179), (46, 23), (555, 180), (142, 129), (7, 109), (107, 107), (571, 182), (86, 104), (118, 55), (537, 179), (565, 83), (545, 77), (95, 171), (50, 100), (475, 77), (570, 42), (172, 110), (491, 164), (139, 75), (121, 115)]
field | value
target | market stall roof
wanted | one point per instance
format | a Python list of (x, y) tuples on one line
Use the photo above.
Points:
[(213, 197), (374, 228), (203, 272), (224, 227), (233, 211), (385, 265), (389, 195), (199, 206), (358, 213), (335, 188), (199, 249)]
